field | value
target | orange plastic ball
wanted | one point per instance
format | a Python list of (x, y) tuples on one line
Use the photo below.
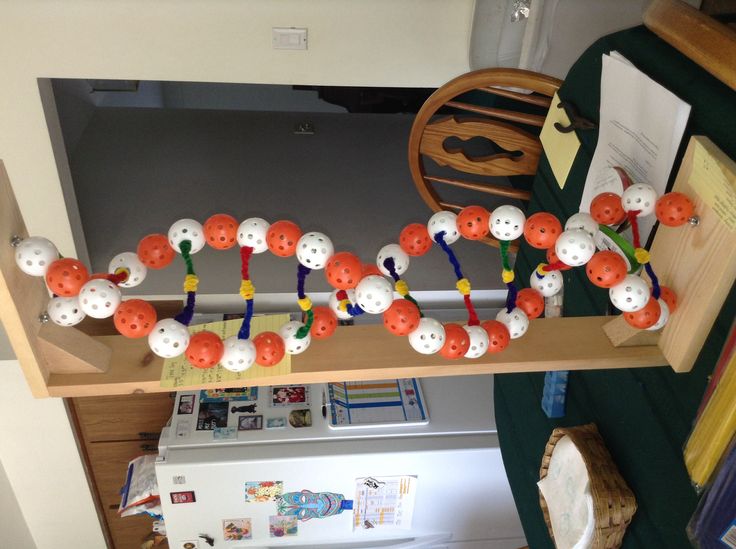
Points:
[(669, 297), (205, 349), (270, 348), (457, 342), (155, 251), (414, 239), (221, 231), (552, 258), (541, 230), (282, 238), (402, 317), (370, 269), (472, 222), (66, 277), (498, 335), (646, 317), (606, 209), (606, 269), (344, 270), (324, 323), (531, 302), (673, 209), (135, 318)]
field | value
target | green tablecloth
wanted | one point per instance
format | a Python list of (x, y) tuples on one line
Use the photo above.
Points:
[(644, 415)]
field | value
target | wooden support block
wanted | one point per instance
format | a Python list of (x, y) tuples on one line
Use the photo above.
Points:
[(23, 299), (698, 262), (622, 334), (70, 351)]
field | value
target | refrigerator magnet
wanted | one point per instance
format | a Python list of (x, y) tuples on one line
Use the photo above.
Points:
[(289, 395), (279, 526), (300, 418), (263, 490), (186, 404), (225, 433), (182, 497), (237, 529), (275, 423), (250, 423), (189, 544)]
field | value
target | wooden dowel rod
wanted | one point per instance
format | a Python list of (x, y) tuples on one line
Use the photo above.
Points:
[(526, 98), (520, 117), (498, 190)]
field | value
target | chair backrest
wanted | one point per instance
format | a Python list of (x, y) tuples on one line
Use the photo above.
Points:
[(441, 139)]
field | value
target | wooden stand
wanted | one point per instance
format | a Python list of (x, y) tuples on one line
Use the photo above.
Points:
[(698, 262)]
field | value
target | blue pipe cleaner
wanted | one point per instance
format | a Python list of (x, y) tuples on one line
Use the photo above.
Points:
[(185, 316), (656, 292), (244, 332), (440, 239)]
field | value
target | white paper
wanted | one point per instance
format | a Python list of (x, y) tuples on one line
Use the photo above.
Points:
[(641, 126)]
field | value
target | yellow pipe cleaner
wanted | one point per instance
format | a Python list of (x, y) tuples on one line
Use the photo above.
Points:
[(507, 276), (402, 288), (247, 290), (641, 255), (343, 305), (125, 270), (190, 283), (541, 269), (304, 303), (463, 286)]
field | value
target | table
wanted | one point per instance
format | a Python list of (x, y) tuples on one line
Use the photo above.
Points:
[(644, 415)]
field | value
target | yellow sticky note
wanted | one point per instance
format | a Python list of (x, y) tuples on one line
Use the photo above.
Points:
[(560, 148), (714, 180), (178, 373)]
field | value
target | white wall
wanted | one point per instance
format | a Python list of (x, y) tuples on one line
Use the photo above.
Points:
[(13, 527), (420, 43)]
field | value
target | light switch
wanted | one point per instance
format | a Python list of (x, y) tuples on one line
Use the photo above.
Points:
[(289, 38)]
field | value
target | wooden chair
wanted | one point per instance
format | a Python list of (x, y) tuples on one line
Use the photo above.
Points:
[(442, 139)]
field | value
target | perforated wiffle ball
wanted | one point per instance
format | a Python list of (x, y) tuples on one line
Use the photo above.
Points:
[(239, 355), (314, 249), (582, 220), (334, 304), (400, 257), (640, 197), (630, 295), (478, 341), (252, 232), (187, 229), (664, 315), (548, 285), (99, 298), (65, 311), (575, 247), (443, 221), (374, 294), (429, 337), (129, 261), (169, 338), (516, 321), (34, 255), (507, 222), (292, 344)]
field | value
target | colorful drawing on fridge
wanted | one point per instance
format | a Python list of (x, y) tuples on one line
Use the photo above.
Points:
[(382, 502), (377, 403)]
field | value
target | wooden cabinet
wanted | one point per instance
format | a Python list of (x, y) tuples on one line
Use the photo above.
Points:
[(112, 430)]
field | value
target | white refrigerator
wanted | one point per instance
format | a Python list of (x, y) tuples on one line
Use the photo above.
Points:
[(227, 488)]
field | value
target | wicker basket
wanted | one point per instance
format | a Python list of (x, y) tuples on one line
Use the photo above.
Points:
[(613, 502)]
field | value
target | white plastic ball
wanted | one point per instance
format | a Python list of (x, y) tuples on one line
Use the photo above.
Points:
[(584, 221), (314, 249), (575, 247), (429, 337), (516, 321), (252, 232), (478, 341), (550, 284), (169, 338), (334, 304), (292, 344), (374, 294), (99, 298), (137, 271), (401, 259), (239, 354), (187, 229), (65, 311), (664, 316), (443, 221), (640, 197), (630, 295), (507, 222), (34, 255)]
